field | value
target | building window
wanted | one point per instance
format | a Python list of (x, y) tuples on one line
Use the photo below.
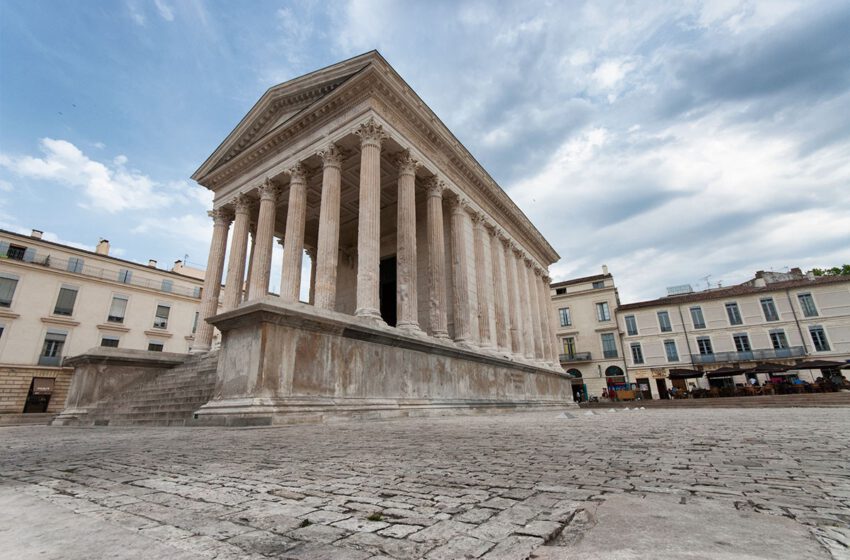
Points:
[(117, 309), (109, 342), (65, 301), (664, 321), (560, 291), (196, 292), (819, 338), (704, 345), (807, 303), (769, 309), (631, 325), (602, 312), (637, 353), (125, 276), (742, 342), (160, 321), (609, 346), (51, 352), (16, 252), (670, 349), (734, 314), (570, 346), (195, 322), (697, 318), (564, 314), (75, 264), (156, 346), (7, 290), (599, 284), (167, 285), (777, 338)]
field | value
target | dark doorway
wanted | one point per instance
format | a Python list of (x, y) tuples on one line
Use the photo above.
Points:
[(387, 291), (662, 389), (644, 388), (38, 397)]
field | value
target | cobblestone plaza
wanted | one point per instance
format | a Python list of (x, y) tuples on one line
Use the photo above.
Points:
[(506, 486)]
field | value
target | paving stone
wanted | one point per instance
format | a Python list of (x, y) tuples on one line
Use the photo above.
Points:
[(461, 547), (399, 530), (442, 531), (319, 533), (514, 548), (262, 542), (395, 548), (311, 551), (360, 525)]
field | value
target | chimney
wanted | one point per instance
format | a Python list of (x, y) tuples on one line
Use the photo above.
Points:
[(36, 234), (151, 263), (102, 247), (604, 269)]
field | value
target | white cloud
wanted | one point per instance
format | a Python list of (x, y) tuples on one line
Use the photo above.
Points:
[(165, 11), (181, 230), (136, 14), (109, 187)]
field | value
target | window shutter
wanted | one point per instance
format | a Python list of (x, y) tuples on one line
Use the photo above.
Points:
[(4, 247), (29, 254)]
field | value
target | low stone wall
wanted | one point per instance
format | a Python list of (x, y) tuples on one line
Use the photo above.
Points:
[(102, 373), (283, 363), (15, 383)]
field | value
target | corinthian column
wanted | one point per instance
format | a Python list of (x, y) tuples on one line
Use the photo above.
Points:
[(499, 291), (311, 252), (481, 279), (252, 230), (512, 297), (212, 280), (238, 249), (534, 310), (543, 306), (437, 303), (328, 249), (408, 312), (460, 286), (526, 331), (550, 323), (369, 221), (265, 233), (293, 242)]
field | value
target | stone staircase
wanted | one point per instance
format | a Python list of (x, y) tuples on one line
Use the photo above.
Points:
[(168, 400), (841, 398)]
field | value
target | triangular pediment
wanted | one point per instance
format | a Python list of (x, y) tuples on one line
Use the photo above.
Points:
[(281, 103)]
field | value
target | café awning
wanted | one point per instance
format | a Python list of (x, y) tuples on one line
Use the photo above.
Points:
[(726, 371), (684, 373), (818, 364), (769, 367)]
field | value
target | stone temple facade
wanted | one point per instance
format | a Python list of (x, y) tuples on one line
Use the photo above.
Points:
[(428, 287)]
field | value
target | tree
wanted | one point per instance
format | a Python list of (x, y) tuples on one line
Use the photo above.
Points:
[(843, 270)]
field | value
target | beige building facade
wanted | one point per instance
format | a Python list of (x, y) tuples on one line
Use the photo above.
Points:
[(587, 335), (427, 284), (58, 301), (783, 318)]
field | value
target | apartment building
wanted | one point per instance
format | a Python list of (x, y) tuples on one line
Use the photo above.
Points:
[(588, 336), (58, 301), (780, 318)]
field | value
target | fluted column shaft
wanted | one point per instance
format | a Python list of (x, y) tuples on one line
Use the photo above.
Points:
[(369, 222), (513, 298), (212, 280), (543, 312), (238, 250), (252, 230), (460, 286), (482, 277), (311, 297), (328, 249), (293, 242), (534, 311), (437, 299), (406, 293), (499, 291), (524, 304), (550, 322), (261, 271)]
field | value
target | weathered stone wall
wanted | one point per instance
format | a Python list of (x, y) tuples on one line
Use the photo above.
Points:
[(284, 361), (15, 385)]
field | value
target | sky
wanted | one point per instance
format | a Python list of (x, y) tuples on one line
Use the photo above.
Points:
[(676, 142)]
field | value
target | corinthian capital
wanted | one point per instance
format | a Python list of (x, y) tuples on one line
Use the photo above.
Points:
[(434, 186), (242, 203), (331, 156), (268, 190), (221, 216), (371, 133), (407, 164), (297, 173)]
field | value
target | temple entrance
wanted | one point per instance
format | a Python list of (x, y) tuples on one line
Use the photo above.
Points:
[(387, 291)]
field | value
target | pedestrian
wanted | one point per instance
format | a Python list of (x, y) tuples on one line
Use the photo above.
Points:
[(578, 395)]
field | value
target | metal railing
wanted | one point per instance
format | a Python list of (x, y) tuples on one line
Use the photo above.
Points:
[(78, 266), (751, 356), (575, 357), (608, 354)]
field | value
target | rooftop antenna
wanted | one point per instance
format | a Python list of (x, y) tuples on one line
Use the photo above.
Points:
[(705, 279)]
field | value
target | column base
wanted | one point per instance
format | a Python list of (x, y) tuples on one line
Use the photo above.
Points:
[(411, 328), (200, 349), (372, 316), (441, 335)]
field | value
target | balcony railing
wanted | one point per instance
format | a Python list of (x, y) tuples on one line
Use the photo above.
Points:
[(576, 357), (113, 274), (754, 355)]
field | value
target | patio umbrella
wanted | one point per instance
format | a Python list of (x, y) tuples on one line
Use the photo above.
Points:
[(725, 371), (819, 364), (684, 373), (769, 367)]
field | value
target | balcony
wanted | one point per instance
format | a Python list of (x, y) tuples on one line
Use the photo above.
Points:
[(575, 357), (78, 267), (754, 355)]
